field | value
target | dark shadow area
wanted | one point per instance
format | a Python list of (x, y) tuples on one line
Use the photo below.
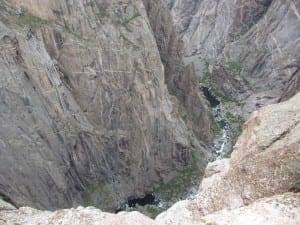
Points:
[(7, 199), (147, 200), (212, 99)]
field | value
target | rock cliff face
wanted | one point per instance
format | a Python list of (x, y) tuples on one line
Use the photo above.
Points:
[(180, 78), (254, 45), (85, 114), (250, 188)]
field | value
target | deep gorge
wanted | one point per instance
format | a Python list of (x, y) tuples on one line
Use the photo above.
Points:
[(130, 105)]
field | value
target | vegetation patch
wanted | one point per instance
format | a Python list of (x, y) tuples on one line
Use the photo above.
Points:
[(205, 79), (31, 21), (234, 68), (98, 195), (236, 122), (292, 171), (153, 211), (221, 97), (205, 73), (126, 22), (235, 119), (216, 126), (181, 184)]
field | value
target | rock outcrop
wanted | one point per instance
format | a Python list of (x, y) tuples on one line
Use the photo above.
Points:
[(276, 210), (265, 162), (78, 216), (85, 114), (255, 43)]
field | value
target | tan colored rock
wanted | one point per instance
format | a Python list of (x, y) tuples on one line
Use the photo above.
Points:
[(275, 210), (265, 161), (78, 216)]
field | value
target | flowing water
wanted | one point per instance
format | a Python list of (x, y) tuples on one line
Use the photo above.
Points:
[(222, 144)]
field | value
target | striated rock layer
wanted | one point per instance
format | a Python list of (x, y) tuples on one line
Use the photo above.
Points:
[(250, 188), (85, 115), (252, 47), (181, 80)]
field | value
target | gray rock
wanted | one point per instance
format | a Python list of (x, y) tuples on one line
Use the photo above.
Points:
[(257, 42), (85, 114)]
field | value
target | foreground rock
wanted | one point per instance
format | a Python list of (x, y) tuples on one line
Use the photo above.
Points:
[(79, 216), (276, 210), (265, 161)]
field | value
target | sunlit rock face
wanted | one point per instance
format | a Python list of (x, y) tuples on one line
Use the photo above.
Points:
[(254, 45), (265, 162), (86, 117)]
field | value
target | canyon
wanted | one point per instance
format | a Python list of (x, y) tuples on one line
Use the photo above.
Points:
[(86, 117), (252, 187), (104, 103)]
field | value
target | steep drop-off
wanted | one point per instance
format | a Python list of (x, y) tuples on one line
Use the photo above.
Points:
[(85, 114), (180, 78), (250, 48), (251, 188), (265, 162)]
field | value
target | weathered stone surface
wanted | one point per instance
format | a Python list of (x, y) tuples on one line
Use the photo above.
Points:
[(78, 216), (5, 205), (257, 42), (275, 210), (85, 114), (181, 79), (265, 162)]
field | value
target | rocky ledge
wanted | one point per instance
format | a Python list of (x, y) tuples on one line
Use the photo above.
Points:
[(276, 210)]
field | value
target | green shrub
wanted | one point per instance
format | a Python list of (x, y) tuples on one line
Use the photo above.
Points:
[(292, 170), (31, 21), (181, 183), (98, 195), (153, 211), (234, 68), (205, 73)]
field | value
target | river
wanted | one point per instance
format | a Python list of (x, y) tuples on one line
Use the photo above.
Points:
[(221, 145)]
